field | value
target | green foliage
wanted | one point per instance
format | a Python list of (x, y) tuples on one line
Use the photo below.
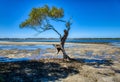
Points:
[(56, 13), (40, 16)]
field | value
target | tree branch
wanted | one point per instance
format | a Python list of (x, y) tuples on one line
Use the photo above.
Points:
[(45, 29), (56, 32), (57, 20), (51, 27), (37, 30), (68, 24)]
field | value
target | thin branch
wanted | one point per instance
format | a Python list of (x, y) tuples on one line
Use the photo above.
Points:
[(56, 32), (38, 30), (57, 20), (40, 24), (68, 24), (51, 27), (45, 28), (38, 33)]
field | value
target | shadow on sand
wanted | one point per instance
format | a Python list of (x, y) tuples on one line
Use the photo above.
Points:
[(34, 71), (37, 71), (94, 62)]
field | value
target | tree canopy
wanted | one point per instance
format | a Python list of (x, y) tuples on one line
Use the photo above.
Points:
[(39, 18)]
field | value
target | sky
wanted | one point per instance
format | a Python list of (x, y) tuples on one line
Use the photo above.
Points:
[(91, 18)]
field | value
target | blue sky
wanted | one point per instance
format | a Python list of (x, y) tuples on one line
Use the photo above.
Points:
[(91, 18)]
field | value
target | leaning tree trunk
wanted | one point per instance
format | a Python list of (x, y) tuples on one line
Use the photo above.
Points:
[(63, 39)]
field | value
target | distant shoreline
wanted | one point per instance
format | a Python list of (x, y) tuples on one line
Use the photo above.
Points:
[(40, 43), (30, 43), (56, 40)]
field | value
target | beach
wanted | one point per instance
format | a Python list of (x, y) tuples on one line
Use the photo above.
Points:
[(95, 62)]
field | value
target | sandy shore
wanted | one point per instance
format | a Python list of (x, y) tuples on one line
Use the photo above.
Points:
[(44, 43), (100, 63), (28, 43)]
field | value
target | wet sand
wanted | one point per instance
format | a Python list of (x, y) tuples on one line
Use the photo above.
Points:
[(74, 50), (95, 63)]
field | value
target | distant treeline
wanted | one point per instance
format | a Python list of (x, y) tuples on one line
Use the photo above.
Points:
[(58, 38), (96, 38)]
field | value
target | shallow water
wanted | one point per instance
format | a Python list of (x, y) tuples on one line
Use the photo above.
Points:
[(26, 47), (45, 53), (116, 44), (6, 59)]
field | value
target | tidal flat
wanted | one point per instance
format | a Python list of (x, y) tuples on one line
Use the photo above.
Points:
[(35, 62)]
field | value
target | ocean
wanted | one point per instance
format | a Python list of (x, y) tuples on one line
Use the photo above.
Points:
[(76, 40)]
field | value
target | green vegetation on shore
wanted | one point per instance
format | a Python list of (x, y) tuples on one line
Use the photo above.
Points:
[(57, 38)]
